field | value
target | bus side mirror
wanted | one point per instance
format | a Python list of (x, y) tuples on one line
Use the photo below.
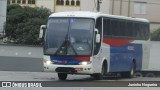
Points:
[(42, 30), (98, 37)]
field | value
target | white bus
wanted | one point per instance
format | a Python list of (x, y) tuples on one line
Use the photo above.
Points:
[(95, 44)]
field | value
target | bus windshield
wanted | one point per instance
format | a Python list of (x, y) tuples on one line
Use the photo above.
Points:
[(69, 36)]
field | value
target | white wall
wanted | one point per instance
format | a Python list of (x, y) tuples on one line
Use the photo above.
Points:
[(46, 3), (3, 8), (85, 5), (105, 6), (67, 8), (90, 5)]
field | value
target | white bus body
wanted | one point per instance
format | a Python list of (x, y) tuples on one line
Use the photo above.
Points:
[(122, 46)]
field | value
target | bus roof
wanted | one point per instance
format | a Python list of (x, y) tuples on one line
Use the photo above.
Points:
[(87, 14)]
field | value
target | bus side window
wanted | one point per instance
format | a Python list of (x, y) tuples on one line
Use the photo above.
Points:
[(107, 28), (122, 28), (137, 30), (99, 27), (142, 37), (115, 28), (134, 30), (129, 29), (146, 31)]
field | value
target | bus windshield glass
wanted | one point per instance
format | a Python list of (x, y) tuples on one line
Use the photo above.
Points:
[(69, 36)]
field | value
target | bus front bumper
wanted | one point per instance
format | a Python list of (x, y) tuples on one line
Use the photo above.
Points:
[(70, 69)]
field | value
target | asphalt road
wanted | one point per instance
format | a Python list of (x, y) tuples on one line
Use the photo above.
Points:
[(8, 63), (21, 58), (74, 82)]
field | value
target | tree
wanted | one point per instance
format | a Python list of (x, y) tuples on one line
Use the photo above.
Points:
[(23, 23), (13, 6), (155, 36)]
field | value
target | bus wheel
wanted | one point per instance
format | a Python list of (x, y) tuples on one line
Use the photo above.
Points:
[(138, 74), (130, 74), (62, 76), (99, 76), (150, 75)]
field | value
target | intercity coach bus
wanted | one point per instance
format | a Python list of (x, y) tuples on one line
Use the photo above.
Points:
[(95, 44)]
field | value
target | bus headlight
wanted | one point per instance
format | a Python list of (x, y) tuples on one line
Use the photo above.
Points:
[(85, 63), (48, 62)]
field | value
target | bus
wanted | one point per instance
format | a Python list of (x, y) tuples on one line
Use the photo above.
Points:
[(96, 44)]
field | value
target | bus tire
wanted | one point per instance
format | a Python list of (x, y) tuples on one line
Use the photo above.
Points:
[(129, 74), (132, 71), (99, 76), (138, 74), (150, 75), (62, 76)]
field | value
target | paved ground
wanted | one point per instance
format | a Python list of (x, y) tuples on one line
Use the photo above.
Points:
[(21, 58), (21, 64), (43, 76), (79, 82)]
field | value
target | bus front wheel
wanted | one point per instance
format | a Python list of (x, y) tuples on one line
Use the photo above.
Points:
[(99, 76), (62, 76)]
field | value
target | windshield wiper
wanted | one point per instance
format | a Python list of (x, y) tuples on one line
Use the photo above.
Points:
[(64, 47), (66, 43), (70, 44)]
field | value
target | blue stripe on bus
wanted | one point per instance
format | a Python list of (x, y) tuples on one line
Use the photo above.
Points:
[(121, 57), (64, 61)]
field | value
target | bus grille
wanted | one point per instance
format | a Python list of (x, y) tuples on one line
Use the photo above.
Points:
[(65, 70)]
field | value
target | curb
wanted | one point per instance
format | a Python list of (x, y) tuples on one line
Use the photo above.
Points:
[(4, 44)]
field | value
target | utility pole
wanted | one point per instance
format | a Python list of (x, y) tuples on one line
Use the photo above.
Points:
[(54, 7), (120, 7), (98, 5), (112, 7), (129, 7)]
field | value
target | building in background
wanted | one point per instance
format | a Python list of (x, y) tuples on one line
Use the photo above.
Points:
[(149, 9), (3, 9), (64, 5)]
